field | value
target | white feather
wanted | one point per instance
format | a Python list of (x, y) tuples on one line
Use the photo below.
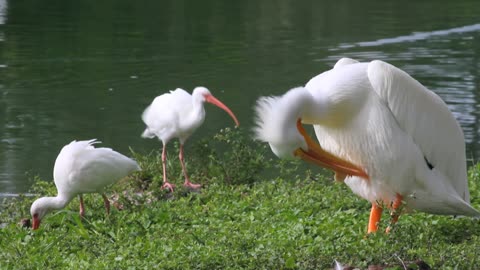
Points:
[(345, 61), (425, 117), (275, 121), (81, 168), (174, 115), (389, 123)]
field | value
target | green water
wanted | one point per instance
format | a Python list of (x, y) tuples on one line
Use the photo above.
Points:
[(87, 69)]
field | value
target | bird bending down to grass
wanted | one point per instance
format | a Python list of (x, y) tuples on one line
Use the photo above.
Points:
[(388, 137), (177, 115), (81, 168)]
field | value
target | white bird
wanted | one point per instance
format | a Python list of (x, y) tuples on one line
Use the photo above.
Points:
[(177, 115), (81, 168), (391, 140)]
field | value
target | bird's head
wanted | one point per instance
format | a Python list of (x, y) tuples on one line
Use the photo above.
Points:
[(279, 122), (38, 210), (205, 96), (275, 124)]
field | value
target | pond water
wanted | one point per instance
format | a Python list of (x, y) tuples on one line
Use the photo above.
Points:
[(87, 69)]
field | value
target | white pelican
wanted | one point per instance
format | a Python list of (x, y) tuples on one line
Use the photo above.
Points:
[(177, 115), (81, 168), (387, 136)]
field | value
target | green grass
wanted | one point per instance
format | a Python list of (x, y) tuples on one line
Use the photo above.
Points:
[(244, 218)]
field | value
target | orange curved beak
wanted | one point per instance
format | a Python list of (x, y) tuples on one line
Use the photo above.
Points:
[(35, 222), (316, 155), (211, 99)]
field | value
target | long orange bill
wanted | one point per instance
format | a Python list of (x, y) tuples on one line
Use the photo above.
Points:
[(35, 222), (218, 103), (316, 155)]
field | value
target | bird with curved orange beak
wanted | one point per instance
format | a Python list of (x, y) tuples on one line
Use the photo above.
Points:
[(178, 114), (82, 168)]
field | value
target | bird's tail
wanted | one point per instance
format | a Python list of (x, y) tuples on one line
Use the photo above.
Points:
[(447, 204), (135, 167)]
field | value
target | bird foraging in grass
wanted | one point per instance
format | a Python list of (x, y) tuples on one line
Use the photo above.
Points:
[(178, 114), (82, 168), (388, 137)]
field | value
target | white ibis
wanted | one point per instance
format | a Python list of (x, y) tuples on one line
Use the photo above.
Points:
[(81, 168), (177, 115), (388, 137)]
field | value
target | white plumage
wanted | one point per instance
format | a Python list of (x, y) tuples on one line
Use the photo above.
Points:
[(81, 168), (377, 117), (177, 115), (173, 115)]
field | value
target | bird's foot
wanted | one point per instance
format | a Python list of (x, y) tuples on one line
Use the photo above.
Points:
[(168, 186), (190, 185)]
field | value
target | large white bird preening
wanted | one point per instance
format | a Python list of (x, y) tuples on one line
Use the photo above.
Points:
[(178, 114), (388, 137), (81, 168)]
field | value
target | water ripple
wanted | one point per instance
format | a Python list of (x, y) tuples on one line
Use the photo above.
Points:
[(415, 36)]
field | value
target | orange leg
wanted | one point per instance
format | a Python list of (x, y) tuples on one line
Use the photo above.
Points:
[(166, 184), (375, 216), (395, 214)]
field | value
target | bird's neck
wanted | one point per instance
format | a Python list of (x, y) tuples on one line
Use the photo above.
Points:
[(297, 105), (198, 112), (197, 106), (55, 203), (195, 118)]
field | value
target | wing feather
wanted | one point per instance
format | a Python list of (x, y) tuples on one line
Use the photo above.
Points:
[(426, 118), (162, 116), (82, 168), (345, 61)]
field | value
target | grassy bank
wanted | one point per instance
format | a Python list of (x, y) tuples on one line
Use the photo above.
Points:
[(243, 218)]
